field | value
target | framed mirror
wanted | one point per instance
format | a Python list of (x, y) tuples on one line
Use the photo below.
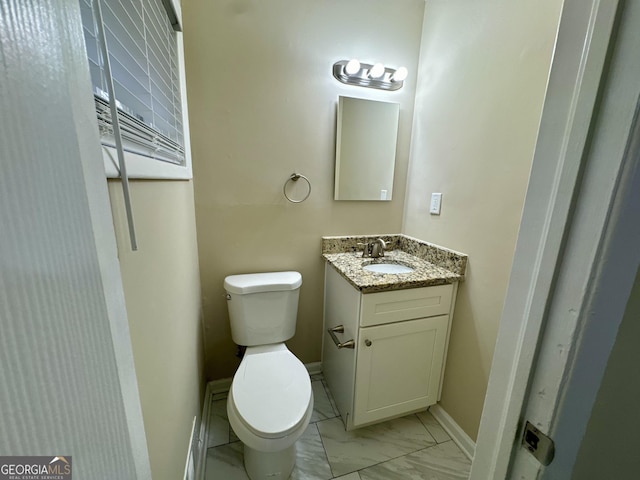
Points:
[(366, 140)]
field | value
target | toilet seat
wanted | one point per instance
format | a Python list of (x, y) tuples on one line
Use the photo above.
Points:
[(271, 391)]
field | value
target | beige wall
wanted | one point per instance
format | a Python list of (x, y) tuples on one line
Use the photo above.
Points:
[(162, 294), (610, 445), (262, 104), (482, 79)]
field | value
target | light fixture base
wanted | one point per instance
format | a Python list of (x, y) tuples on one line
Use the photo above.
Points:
[(362, 79)]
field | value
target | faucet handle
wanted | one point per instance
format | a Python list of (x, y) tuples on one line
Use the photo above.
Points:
[(366, 249)]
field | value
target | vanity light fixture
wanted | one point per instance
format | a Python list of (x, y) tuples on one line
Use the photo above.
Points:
[(377, 71), (352, 67), (352, 72), (400, 75)]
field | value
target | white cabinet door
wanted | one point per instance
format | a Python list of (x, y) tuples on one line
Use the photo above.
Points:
[(398, 368)]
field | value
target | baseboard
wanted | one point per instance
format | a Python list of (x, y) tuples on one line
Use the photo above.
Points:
[(219, 386), (314, 368), (456, 433), (201, 461), (192, 452)]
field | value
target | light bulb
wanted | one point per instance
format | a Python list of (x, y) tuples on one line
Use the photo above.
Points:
[(376, 71), (400, 75), (352, 67)]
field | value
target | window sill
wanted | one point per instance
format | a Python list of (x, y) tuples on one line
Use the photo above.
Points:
[(142, 167)]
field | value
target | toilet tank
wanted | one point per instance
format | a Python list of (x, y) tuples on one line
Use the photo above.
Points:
[(263, 307)]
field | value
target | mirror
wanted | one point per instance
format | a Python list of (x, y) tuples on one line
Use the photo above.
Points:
[(365, 149)]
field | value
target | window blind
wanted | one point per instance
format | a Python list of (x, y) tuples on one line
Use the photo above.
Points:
[(143, 54)]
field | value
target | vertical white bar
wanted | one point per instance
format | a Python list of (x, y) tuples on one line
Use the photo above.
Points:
[(116, 125)]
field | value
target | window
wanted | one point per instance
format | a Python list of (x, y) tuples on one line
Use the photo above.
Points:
[(145, 55)]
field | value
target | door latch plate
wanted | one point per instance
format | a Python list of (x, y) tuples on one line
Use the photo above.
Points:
[(538, 444)]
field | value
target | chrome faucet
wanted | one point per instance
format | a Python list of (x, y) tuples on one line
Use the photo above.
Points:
[(378, 248), (373, 249)]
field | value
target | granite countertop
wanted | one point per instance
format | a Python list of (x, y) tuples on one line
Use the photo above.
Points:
[(432, 264)]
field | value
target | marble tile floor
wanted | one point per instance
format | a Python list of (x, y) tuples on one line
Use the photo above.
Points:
[(407, 448)]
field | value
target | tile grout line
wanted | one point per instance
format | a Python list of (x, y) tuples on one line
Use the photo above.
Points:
[(337, 414), (324, 387), (332, 401), (428, 430), (324, 448), (332, 404), (400, 456), (388, 459)]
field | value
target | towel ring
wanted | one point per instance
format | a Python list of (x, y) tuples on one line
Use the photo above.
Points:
[(295, 177)]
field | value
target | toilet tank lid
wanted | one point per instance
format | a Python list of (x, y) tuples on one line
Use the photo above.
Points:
[(262, 282)]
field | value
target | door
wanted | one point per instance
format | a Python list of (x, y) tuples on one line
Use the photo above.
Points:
[(600, 262), (66, 364), (398, 368), (577, 248)]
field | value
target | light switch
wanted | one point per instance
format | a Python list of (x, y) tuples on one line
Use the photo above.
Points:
[(383, 194), (436, 200)]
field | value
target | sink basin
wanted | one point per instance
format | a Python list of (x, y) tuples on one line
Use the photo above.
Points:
[(387, 268)]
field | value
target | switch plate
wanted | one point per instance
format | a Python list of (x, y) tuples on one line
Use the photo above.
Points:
[(383, 194), (436, 200)]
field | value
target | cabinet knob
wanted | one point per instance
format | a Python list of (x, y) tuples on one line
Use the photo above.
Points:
[(367, 342)]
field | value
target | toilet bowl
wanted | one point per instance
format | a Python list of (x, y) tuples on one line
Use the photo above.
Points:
[(270, 401), (269, 407)]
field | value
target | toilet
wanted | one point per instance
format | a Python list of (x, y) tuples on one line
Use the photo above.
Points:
[(270, 400)]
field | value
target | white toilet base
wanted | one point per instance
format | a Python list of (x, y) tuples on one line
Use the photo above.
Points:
[(269, 465)]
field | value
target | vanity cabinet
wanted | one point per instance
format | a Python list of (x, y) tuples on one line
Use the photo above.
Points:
[(400, 340)]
